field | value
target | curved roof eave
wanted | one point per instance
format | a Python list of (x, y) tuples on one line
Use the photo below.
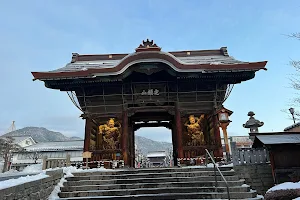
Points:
[(154, 56)]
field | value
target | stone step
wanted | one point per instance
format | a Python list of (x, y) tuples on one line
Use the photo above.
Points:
[(149, 180), (165, 196), (150, 170), (148, 175), (117, 192), (258, 197), (67, 188)]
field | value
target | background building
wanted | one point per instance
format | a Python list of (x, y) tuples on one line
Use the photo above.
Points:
[(23, 141), (56, 150), (293, 128), (157, 159), (240, 141)]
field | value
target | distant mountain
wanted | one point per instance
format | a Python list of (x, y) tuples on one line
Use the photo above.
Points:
[(40, 134), (146, 145), (75, 138)]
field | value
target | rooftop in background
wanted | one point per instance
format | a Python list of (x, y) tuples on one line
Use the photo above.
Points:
[(276, 138), (241, 140), (18, 139), (54, 146), (22, 141), (156, 154), (293, 128), (205, 61)]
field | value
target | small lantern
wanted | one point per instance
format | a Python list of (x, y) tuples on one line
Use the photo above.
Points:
[(292, 111), (223, 115)]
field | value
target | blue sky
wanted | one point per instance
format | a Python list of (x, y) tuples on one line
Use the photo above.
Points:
[(41, 35)]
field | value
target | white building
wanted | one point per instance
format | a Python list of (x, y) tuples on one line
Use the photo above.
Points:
[(23, 141), (55, 150), (157, 159)]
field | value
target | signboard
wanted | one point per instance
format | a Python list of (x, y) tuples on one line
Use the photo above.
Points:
[(150, 92), (87, 154)]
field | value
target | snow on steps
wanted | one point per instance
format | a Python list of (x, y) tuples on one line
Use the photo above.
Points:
[(166, 183)]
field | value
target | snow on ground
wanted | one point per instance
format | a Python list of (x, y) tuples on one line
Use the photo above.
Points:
[(31, 169), (285, 186), (11, 171), (209, 165), (36, 168), (13, 182), (260, 196)]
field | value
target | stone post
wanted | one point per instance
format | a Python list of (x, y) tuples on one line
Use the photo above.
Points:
[(68, 160), (44, 163)]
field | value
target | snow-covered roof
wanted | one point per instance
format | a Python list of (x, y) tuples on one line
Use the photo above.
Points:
[(18, 139), (292, 126), (54, 146), (241, 139), (284, 138), (156, 154)]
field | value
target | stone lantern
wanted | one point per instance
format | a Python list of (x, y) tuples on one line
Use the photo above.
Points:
[(252, 123)]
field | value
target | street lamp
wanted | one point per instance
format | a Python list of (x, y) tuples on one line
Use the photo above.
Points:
[(223, 116), (292, 111)]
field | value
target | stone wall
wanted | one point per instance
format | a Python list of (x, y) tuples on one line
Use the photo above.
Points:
[(34, 190), (258, 176)]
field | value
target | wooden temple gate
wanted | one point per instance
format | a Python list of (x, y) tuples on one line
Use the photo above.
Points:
[(120, 93)]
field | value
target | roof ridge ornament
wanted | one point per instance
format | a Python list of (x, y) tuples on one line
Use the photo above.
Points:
[(147, 45), (74, 57), (224, 51)]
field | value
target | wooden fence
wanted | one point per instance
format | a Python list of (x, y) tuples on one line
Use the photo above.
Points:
[(249, 156), (54, 162)]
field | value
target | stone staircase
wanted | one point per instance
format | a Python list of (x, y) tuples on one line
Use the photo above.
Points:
[(156, 183)]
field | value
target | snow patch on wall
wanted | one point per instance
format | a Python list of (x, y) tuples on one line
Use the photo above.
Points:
[(21, 180)]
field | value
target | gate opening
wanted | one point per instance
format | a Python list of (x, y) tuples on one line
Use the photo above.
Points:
[(153, 147)]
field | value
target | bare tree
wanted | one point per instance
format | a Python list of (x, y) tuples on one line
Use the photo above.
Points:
[(7, 149), (34, 156), (295, 80)]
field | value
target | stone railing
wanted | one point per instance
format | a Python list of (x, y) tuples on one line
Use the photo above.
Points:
[(54, 162), (33, 190)]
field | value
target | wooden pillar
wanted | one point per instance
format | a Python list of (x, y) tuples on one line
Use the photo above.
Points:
[(125, 137), (272, 161), (87, 135), (174, 142), (224, 129), (218, 142), (132, 147), (178, 132)]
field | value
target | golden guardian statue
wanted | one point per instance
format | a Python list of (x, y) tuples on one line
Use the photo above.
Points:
[(110, 133), (194, 129)]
